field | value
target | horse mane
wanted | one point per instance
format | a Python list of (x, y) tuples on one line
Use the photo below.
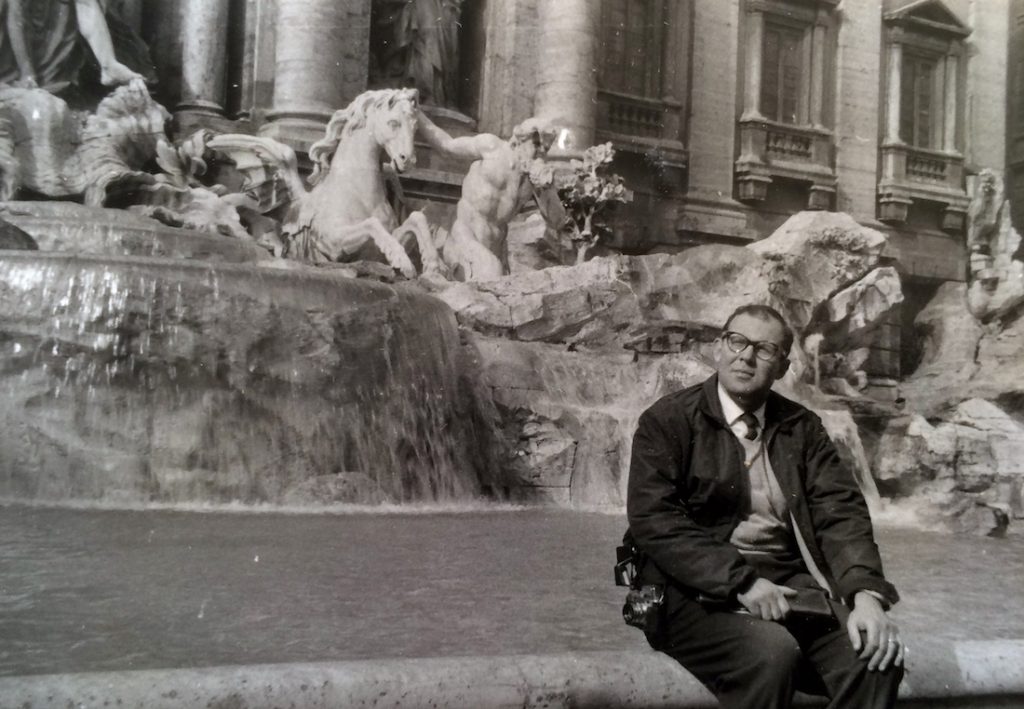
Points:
[(351, 118)]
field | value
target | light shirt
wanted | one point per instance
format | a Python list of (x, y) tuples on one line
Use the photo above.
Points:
[(732, 412), (767, 529)]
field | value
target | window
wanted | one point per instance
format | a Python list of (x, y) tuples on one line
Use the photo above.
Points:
[(920, 91), (782, 78), (642, 76), (631, 62), (788, 78), (921, 148)]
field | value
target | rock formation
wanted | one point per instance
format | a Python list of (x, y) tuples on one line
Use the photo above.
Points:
[(955, 459), (570, 356)]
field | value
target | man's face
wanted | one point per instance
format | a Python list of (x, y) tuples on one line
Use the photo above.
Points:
[(745, 376)]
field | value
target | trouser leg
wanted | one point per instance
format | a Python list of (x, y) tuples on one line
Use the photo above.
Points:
[(849, 683), (746, 662)]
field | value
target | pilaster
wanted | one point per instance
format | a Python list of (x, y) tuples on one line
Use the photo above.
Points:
[(857, 110), (754, 59), (709, 206)]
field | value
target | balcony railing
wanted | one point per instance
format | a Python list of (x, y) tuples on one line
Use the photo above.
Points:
[(926, 169), (786, 144), (910, 173), (769, 150), (632, 115)]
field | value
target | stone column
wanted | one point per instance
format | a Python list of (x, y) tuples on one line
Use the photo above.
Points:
[(204, 56), (950, 103), (818, 35), (566, 71), (892, 107), (314, 42), (755, 59)]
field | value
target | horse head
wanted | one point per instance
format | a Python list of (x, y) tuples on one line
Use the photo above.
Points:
[(393, 123), (389, 115)]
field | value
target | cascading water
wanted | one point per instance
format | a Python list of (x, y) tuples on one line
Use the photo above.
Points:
[(131, 379)]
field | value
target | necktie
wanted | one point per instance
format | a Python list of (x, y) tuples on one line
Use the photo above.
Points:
[(750, 421)]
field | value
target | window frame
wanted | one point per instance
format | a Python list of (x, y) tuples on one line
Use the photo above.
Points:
[(912, 171), (771, 146), (651, 125), (787, 25)]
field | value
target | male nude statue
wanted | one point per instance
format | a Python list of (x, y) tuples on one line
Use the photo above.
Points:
[(504, 176)]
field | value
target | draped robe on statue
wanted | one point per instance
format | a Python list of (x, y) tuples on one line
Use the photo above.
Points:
[(50, 29)]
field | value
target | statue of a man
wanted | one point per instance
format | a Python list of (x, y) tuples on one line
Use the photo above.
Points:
[(503, 178), (41, 43), (416, 45)]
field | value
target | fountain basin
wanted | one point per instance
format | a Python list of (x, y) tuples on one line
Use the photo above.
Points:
[(74, 228), (135, 379)]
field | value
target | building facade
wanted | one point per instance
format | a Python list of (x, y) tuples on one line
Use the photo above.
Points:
[(727, 115)]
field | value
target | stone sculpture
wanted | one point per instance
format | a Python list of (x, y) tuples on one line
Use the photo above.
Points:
[(416, 43), (995, 275), (588, 190), (50, 148), (41, 43), (347, 208), (503, 178)]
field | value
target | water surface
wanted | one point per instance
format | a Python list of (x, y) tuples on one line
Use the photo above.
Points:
[(89, 590)]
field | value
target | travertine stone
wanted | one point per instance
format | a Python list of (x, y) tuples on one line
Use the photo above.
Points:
[(204, 55), (320, 61), (566, 77)]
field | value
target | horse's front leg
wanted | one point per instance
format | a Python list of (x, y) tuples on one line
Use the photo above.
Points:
[(347, 240), (417, 227)]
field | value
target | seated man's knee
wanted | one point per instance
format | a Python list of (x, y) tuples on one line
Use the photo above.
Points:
[(773, 646)]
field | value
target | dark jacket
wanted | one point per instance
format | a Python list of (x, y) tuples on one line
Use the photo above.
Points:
[(687, 487)]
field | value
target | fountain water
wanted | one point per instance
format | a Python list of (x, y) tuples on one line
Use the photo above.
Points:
[(133, 378)]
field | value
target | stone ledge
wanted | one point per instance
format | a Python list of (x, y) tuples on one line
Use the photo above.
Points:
[(970, 673)]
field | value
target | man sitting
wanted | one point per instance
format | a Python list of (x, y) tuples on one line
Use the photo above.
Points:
[(738, 498)]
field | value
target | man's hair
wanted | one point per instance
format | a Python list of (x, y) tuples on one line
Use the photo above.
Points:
[(764, 312), (535, 129)]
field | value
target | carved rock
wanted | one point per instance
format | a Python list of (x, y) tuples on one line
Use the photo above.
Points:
[(567, 418), (964, 473), (854, 312), (815, 255), (13, 237)]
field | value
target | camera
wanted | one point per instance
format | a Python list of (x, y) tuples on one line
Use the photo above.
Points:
[(643, 607)]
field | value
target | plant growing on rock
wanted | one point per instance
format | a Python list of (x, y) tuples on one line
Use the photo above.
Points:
[(588, 192)]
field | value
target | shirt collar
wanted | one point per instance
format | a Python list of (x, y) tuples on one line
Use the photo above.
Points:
[(732, 411)]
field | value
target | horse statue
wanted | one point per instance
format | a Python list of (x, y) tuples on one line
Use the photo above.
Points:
[(347, 209)]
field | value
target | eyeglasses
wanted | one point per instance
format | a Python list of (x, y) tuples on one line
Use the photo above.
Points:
[(765, 351)]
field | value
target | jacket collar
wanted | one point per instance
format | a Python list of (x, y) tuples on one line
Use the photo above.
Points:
[(778, 410)]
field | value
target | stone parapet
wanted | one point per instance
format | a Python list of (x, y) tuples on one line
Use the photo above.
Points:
[(964, 674)]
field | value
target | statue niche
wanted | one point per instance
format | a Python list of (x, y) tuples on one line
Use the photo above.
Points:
[(415, 44)]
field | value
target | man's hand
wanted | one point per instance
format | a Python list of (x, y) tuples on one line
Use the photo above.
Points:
[(881, 641), (766, 600)]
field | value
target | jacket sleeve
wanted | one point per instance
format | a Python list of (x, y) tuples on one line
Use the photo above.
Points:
[(661, 525), (842, 523)]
